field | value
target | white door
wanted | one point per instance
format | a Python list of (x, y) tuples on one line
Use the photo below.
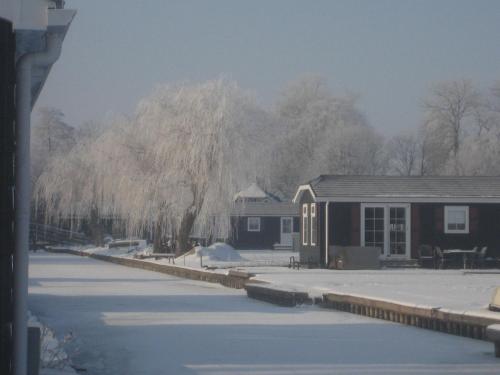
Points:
[(286, 231), (386, 226)]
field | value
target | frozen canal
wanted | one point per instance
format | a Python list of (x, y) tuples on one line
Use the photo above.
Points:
[(128, 321)]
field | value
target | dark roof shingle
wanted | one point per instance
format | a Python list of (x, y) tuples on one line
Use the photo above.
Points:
[(331, 186)]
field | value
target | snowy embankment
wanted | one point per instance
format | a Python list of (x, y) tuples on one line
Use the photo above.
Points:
[(219, 255), (449, 289), (53, 357)]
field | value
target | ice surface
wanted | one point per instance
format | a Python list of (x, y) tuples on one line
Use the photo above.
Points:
[(131, 321)]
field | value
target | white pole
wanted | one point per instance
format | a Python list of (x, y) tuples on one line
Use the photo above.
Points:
[(326, 234), (23, 194)]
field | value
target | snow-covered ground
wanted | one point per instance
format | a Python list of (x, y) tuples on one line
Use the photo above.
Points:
[(130, 321), (221, 255), (218, 255), (451, 289)]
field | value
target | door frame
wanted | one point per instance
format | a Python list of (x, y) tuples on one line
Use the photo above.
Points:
[(387, 206)]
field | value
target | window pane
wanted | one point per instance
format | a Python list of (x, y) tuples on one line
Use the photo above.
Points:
[(369, 237), (369, 225), (456, 218), (287, 226), (369, 212)]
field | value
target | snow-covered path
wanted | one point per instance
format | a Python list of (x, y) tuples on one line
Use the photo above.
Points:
[(128, 321)]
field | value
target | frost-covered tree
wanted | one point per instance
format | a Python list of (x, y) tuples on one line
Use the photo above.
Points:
[(323, 133), (193, 147), (76, 186), (404, 154), (50, 137), (178, 162), (451, 107)]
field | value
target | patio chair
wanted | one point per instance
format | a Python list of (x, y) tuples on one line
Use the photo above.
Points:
[(480, 258), (426, 256), (441, 259)]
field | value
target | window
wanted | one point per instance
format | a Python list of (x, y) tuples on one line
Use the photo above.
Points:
[(374, 227), (253, 224), (313, 224), (456, 219), (305, 225)]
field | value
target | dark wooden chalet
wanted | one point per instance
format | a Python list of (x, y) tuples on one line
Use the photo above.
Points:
[(261, 221), (397, 214)]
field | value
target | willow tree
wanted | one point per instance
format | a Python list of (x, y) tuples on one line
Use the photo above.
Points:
[(76, 186), (193, 147)]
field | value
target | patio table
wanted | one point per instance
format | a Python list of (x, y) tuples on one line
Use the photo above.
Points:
[(465, 254)]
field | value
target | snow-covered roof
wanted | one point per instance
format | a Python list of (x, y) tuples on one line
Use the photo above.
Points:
[(253, 191), (471, 189)]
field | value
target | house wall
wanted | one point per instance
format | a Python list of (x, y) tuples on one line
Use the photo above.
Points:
[(428, 228), (344, 222), (270, 231), (312, 254)]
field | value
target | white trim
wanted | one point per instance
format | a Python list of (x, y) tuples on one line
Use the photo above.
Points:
[(313, 215), (326, 234), (456, 208), (305, 224), (302, 188), (248, 224), (386, 207), (398, 199)]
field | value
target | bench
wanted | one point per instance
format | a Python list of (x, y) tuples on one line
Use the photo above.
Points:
[(493, 334), (156, 256)]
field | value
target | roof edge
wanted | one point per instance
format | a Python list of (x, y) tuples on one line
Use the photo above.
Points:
[(301, 189)]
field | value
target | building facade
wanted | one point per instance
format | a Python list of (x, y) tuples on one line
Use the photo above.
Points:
[(397, 215)]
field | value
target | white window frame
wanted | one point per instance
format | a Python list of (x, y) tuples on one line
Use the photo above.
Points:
[(257, 222), (313, 224), (447, 210), (305, 225)]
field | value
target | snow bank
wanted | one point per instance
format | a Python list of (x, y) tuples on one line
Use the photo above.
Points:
[(53, 358), (219, 251)]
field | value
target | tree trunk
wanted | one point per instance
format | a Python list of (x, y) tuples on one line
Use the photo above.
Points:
[(184, 231), (160, 238), (96, 228)]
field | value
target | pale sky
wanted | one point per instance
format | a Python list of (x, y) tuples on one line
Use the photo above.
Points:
[(387, 51)]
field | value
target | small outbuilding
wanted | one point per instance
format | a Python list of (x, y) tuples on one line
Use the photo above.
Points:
[(397, 215), (260, 220)]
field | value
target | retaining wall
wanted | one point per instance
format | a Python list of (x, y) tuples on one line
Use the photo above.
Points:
[(468, 324), (279, 297)]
